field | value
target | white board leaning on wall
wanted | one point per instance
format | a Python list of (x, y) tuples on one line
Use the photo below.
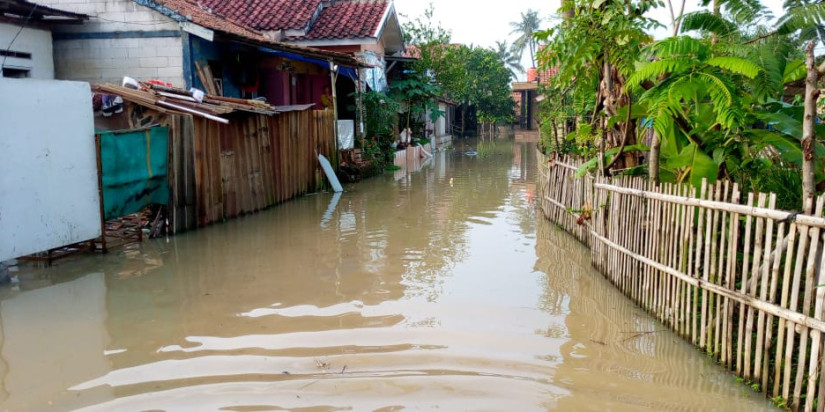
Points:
[(48, 168)]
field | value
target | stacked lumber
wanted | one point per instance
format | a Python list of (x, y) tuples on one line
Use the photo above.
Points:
[(167, 99)]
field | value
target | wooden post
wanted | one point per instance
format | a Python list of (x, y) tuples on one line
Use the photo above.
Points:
[(333, 77), (103, 247)]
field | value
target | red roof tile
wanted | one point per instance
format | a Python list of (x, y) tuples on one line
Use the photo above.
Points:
[(193, 12), (266, 14), (348, 19), (196, 13)]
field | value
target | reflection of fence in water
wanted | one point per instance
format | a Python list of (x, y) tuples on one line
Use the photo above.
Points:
[(619, 339), (736, 280)]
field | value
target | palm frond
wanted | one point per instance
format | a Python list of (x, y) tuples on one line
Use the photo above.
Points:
[(658, 68), (801, 17), (680, 46), (708, 22), (794, 70), (736, 65)]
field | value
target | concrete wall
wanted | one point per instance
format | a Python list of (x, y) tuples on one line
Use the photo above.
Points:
[(35, 41), (148, 45), (48, 169)]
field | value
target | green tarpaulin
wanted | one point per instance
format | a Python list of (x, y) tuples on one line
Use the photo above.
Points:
[(134, 170)]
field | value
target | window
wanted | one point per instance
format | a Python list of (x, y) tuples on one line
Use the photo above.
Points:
[(16, 73)]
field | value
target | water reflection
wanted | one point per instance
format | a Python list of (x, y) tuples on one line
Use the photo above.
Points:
[(440, 288)]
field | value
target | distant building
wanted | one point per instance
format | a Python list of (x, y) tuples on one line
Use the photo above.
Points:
[(527, 98)]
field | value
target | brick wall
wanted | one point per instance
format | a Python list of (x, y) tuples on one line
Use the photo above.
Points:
[(134, 53)]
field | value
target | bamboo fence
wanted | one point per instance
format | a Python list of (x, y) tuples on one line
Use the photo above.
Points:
[(724, 270)]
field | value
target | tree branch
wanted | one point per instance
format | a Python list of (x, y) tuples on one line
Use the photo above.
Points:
[(625, 135)]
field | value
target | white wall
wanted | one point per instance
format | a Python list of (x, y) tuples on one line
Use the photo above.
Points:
[(48, 168), (35, 41), (112, 15), (108, 60)]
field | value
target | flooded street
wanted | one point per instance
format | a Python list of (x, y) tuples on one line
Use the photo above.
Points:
[(441, 288)]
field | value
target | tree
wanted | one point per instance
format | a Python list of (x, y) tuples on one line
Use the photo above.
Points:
[(593, 52), (805, 19), (525, 29), (509, 57)]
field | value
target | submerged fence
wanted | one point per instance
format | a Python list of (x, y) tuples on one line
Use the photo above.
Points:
[(725, 270)]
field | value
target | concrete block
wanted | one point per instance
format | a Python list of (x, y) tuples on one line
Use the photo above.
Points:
[(170, 51), (142, 52), (117, 53), (169, 72), (116, 6), (154, 62), (131, 43)]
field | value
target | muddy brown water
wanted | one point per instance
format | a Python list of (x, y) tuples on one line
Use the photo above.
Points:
[(438, 288)]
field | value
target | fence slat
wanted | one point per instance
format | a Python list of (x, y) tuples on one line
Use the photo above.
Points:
[(738, 280)]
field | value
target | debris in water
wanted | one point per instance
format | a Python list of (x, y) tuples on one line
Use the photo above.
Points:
[(322, 364)]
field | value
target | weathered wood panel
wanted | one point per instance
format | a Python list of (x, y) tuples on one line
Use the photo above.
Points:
[(255, 161)]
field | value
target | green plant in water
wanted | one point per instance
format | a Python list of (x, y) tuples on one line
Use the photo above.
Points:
[(780, 402)]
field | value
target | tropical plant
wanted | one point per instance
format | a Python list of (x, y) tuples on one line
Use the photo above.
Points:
[(593, 51), (525, 28), (509, 58)]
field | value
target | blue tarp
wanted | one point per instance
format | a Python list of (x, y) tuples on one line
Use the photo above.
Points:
[(346, 71)]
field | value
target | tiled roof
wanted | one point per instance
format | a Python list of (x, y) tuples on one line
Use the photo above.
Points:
[(266, 14), (348, 19), (189, 10)]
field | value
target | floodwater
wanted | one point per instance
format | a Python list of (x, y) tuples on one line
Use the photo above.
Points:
[(440, 288)]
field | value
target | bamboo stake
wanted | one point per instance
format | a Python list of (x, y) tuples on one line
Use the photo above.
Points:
[(806, 305), (690, 324), (706, 275), (731, 281), (770, 319), (763, 294), (793, 305), (745, 270), (697, 305), (817, 360), (757, 256), (786, 284)]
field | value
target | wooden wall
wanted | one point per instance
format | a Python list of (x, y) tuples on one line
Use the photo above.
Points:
[(252, 163)]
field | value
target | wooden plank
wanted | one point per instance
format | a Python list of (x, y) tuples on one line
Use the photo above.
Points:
[(207, 81)]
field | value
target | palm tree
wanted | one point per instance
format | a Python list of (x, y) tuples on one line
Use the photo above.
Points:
[(509, 57), (525, 28)]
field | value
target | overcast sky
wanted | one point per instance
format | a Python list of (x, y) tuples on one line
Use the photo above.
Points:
[(482, 23)]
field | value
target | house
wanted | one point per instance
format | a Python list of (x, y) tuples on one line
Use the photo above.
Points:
[(366, 29), (182, 42), (526, 95), (26, 38)]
